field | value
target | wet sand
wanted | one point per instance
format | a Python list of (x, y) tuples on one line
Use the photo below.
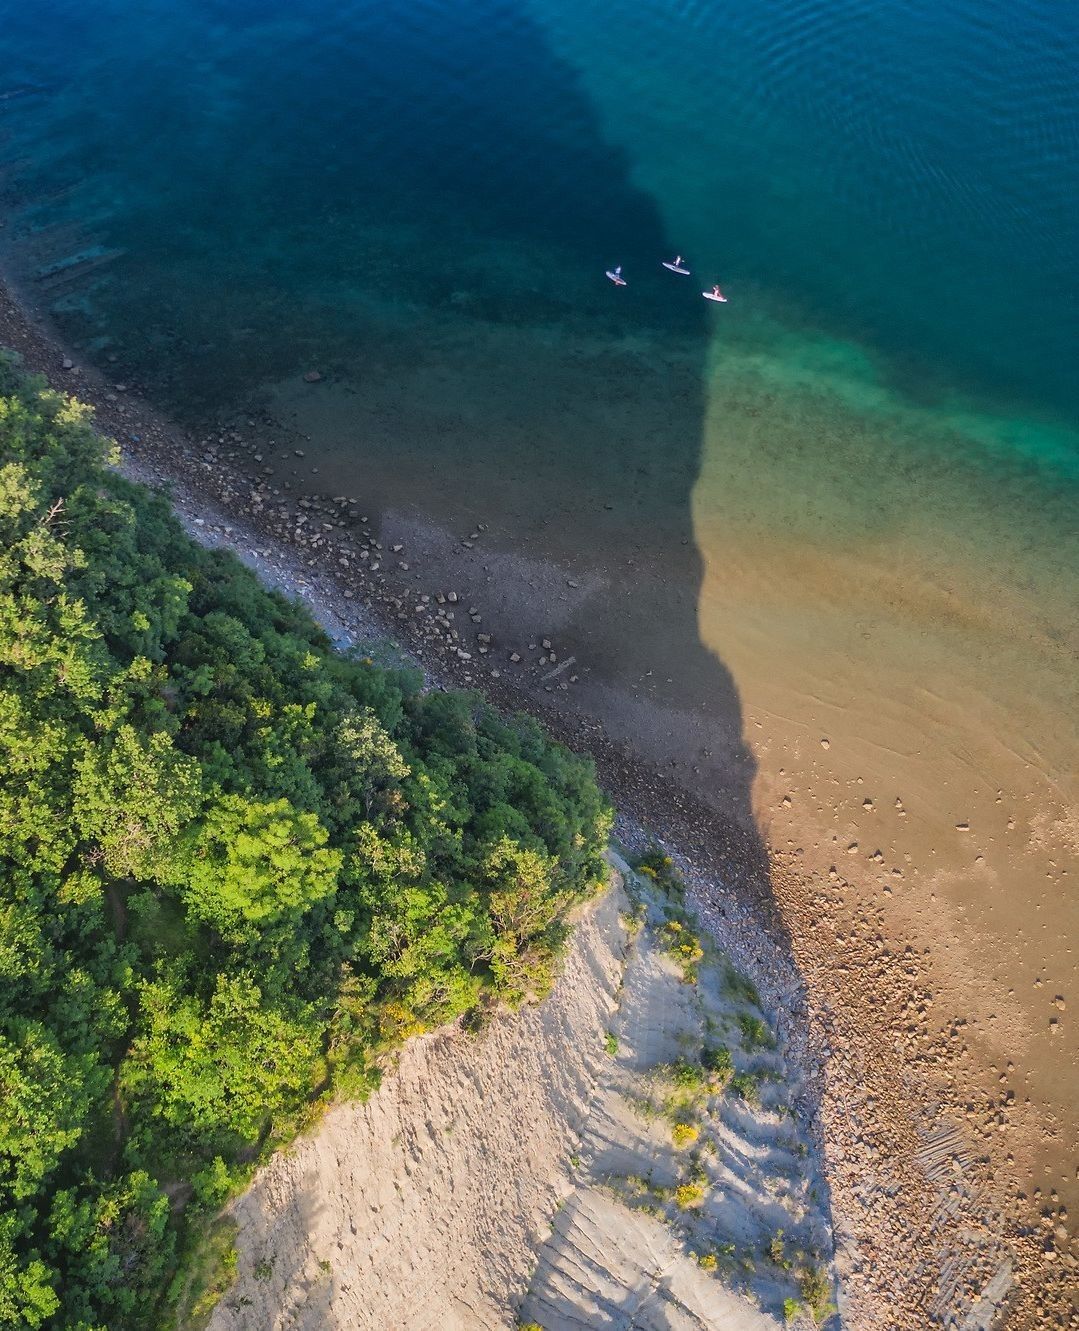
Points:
[(915, 1040), (908, 683)]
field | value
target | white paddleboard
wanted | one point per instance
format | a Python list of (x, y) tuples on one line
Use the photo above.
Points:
[(675, 268), (711, 295), (616, 278)]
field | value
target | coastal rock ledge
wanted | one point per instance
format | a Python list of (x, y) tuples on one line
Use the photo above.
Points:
[(622, 1155)]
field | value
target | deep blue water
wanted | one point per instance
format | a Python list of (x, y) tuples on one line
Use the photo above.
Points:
[(904, 174)]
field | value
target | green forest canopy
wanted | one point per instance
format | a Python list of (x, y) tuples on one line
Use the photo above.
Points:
[(237, 866)]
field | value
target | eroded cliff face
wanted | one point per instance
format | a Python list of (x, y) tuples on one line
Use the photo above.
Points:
[(425, 1207), (622, 1156)]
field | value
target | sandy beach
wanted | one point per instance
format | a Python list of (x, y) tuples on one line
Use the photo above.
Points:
[(794, 784), (427, 1206)]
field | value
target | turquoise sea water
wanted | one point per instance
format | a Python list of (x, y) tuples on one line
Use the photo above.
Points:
[(904, 175)]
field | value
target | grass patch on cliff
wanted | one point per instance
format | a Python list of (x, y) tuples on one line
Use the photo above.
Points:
[(755, 1033), (206, 1276)]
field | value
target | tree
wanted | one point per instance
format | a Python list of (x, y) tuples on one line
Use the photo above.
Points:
[(112, 1240), (236, 867), (254, 864), (222, 1067), (44, 1099), (525, 907), (378, 766), (28, 1295), (133, 795)]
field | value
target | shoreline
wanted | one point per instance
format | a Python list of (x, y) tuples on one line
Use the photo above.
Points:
[(731, 887)]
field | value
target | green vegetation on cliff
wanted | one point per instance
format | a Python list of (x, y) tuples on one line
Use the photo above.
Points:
[(236, 867)]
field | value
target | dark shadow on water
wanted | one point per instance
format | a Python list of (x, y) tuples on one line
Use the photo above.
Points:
[(212, 208)]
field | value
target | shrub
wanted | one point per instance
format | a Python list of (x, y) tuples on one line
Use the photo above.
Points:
[(755, 1034), (633, 921), (684, 1134), (688, 1195), (717, 1062), (707, 1261), (816, 1290), (791, 1310), (745, 1086), (610, 1043), (686, 1076), (684, 948), (777, 1251), (680, 1087), (658, 865)]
